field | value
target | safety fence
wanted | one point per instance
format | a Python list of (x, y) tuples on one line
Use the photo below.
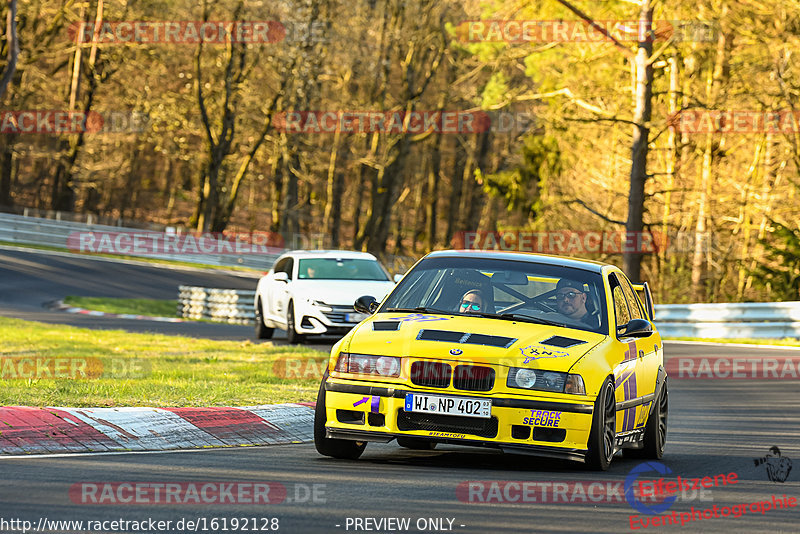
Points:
[(768, 320), (233, 306), (67, 235), (764, 320), (57, 230)]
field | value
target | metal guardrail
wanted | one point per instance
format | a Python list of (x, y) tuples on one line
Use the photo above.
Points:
[(55, 233), (27, 230), (234, 306), (765, 320)]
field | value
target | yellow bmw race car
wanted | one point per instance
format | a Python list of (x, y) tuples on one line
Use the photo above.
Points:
[(531, 354)]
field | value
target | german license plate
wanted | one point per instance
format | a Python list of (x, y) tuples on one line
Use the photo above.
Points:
[(354, 317), (422, 402)]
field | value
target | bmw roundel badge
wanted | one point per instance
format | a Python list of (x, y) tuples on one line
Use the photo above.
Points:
[(456, 352)]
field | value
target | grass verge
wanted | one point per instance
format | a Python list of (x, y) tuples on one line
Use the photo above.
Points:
[(150, 307), (117, 368)]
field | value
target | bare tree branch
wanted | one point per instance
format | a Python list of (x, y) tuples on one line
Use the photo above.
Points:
[(594, 212), (596, 26)]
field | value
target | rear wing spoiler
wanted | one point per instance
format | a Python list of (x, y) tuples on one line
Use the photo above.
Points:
[(647, 298)]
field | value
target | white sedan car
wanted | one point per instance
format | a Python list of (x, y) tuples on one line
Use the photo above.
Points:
[(312, 292)]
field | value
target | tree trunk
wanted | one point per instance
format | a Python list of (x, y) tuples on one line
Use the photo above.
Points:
[(333, 196), (13, 47), (462, 170), (672, 168), (702, 244), (7, 170), (632, 261), (277, 191)]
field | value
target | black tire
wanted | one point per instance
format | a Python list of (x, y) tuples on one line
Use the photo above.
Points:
[(602, 438), (417, 444), (336, 448), (291, 332), (262, 330), (655, 432)]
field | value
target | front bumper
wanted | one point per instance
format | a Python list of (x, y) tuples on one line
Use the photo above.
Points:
[(333, 319), (363, 412)]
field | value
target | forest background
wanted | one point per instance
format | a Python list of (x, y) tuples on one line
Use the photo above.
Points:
[(192, 132)]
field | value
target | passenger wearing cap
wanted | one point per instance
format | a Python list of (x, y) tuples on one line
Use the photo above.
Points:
[(571, 301)]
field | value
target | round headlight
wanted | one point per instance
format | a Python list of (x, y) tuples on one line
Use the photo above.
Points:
[(387, 366), (552, 379), (525, 378)]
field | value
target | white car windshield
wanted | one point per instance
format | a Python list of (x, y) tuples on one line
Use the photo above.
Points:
[(340, 269), (514, 290)]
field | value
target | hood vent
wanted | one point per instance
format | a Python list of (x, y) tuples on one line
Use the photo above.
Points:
[(386, 326), (465, 337), (562, 342)]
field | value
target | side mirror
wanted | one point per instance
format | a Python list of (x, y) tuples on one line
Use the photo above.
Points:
[(280, 277), (397, 278), (635, 328), (366, 304)]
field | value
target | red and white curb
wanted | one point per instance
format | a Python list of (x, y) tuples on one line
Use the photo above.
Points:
[(25, 430), (60, 306)]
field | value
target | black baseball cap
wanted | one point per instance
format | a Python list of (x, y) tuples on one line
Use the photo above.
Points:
[(566, 282)]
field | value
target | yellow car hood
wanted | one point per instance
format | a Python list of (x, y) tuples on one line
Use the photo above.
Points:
[(472, 339)]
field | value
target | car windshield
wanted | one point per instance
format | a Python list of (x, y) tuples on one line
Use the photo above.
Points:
[(509, 289), (341, 269)]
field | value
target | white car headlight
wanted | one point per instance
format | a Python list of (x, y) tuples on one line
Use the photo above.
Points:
[(540, 380), (367, 364), (525, 378), (321, 305)]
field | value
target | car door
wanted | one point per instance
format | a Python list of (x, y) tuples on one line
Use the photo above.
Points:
[(273, 288), (647, 348), (635, 376), (282, 290)]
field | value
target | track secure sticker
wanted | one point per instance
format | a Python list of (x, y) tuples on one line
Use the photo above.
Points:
[(538, 352), (543, 418)]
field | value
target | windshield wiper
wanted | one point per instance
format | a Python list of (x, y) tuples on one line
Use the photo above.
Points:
[(530, 319)]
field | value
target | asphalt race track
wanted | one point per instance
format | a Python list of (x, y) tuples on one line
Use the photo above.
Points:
[(29, 280), (715, 427)]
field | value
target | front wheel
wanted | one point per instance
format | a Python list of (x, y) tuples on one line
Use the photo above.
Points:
[(602, 438), (291, 331), (262, 330), (337, 448), (655, 432)]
